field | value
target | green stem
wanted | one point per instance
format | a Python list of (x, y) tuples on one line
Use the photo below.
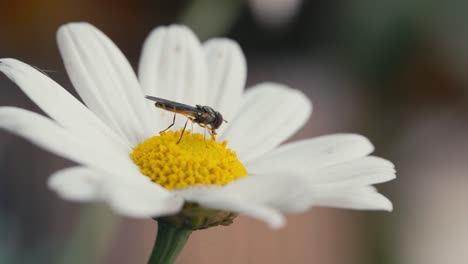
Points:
[(170, 241)]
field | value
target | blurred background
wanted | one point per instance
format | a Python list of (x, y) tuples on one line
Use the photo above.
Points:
[(393, 70)]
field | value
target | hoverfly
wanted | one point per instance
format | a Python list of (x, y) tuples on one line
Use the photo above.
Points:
[(203, 115)]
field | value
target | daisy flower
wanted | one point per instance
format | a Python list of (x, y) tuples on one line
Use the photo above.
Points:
[(200, 182)]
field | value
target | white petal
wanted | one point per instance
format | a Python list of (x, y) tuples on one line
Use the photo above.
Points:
[(172, 67), (269, 192), (79, 184), (308, 155), (289, 193), (338, 196), (269, 114), (364, 171), (219, 198), (45, 133), (266, 189), (54, 138), (141, 200), (364, 198), (293, 193), (135, 199), (358, 172), (286, 193), (105, 80), (61, 105), (227, 71)]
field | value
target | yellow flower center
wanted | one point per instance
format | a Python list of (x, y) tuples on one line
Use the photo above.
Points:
[(194, 161)]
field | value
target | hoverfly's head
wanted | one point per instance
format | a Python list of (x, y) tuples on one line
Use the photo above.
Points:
[(218, 121)]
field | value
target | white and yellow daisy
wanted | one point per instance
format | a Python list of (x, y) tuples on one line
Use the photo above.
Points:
[(201, 182)]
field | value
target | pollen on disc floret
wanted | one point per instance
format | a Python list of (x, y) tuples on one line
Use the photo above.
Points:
[(194, 161)]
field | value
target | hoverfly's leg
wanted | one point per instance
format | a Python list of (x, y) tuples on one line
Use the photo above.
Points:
[(173, 122), (183, 130), (213, 134), (204, 133), (204, 136)]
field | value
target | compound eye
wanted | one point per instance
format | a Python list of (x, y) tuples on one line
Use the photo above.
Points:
[(219, 120)]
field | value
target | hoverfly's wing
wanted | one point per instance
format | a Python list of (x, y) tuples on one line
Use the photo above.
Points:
[(174, 107)]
